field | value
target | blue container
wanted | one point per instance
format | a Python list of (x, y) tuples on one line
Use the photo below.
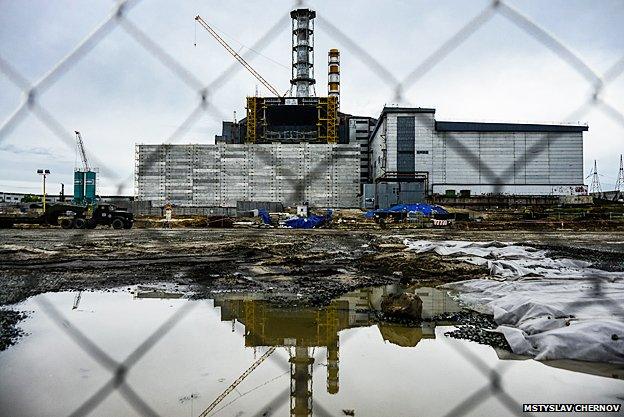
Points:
[(79, 189), (89, 194)]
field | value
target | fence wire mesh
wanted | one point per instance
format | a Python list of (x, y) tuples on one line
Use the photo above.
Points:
[(119, 17)]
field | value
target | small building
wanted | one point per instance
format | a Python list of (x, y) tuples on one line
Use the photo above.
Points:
[(413, 155), (16, 198), (11, 197), (232, 132)]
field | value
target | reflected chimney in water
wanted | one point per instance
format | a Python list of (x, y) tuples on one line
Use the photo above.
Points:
[(302, 329), (333, 366), (301, 382)]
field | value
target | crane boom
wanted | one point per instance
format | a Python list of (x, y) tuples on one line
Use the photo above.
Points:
[(77, 300), (81, 149), (237, 381), (239, 58)]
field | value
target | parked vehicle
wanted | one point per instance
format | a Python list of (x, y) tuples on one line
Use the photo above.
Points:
[(100, 214), (71, 216)]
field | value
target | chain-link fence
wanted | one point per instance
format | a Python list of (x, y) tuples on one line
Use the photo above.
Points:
[(120, 18)]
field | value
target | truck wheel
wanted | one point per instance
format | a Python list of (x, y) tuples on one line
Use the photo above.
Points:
[(67, 223), (80, 223), (128, 225), (118, 223), (5, 224)]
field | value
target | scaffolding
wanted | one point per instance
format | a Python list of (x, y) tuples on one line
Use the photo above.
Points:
[(327, 125), (252, 114), (321, 128)]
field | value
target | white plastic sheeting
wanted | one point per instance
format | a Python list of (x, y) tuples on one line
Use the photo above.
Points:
[(547, 308), (508, 261)]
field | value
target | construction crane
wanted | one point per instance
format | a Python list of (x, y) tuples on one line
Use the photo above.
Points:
[(84, 178), (239, 58), (238, 380), (81, 150), (77, 300)]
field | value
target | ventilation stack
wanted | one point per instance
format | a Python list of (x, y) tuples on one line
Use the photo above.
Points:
[(333, 75), (303, 51)]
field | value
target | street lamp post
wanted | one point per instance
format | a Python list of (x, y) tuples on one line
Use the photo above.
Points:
[(44, 173)]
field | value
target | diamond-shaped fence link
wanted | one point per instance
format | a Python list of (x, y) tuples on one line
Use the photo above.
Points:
[(397, 88)]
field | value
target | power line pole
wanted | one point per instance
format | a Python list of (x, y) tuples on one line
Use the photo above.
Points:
[(595, 184), (619, 184)]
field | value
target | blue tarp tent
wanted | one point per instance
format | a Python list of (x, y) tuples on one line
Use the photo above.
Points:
[(309, 222), (264, 215), (426, 209)]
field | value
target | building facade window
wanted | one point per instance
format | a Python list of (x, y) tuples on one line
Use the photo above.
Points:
[(406, 136)]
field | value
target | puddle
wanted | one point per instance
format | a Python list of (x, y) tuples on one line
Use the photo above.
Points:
[(333, 361)]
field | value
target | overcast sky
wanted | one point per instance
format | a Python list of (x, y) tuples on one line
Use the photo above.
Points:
[(119, 95)]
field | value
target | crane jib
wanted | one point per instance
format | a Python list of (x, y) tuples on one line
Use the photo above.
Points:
[(236, 56)]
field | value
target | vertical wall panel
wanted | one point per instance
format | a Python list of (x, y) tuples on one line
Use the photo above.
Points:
[(406, 137), (220, 175)]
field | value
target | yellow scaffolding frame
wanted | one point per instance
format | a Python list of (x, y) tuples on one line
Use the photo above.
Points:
[(327, 124), (252, 134), (332, 119)]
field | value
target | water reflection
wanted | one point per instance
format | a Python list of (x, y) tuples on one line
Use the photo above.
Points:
[(150, 292), (341, 357), (301, 330)]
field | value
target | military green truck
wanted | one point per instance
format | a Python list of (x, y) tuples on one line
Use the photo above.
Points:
[(71, 216)]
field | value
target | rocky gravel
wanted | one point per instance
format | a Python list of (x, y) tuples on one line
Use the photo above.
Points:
[(10, 331)]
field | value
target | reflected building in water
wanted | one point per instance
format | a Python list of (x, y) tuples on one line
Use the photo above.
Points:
[(301, 330)]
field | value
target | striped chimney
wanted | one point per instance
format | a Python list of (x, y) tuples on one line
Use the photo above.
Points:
[(333, 75)]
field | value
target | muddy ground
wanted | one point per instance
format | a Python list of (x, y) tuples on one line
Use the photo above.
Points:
[(315, 266), (294, 267)]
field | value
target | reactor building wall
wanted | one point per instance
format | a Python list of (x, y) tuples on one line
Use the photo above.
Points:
[(410, 150), (322, 175)]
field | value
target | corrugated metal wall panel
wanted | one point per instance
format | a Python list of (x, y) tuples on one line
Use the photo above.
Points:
[(522, 162), (220, 175), (510, 159), (496, 156), (462, 158), (391, 143)]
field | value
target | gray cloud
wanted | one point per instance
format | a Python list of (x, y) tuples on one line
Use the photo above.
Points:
[(118, 94), (27, 150)]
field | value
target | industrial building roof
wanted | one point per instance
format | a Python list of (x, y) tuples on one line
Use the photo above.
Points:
[(387, 110), (406, 110), (505, 127), (442, 126)]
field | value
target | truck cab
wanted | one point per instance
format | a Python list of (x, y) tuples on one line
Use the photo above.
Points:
[(90, 217), (110, 215)]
